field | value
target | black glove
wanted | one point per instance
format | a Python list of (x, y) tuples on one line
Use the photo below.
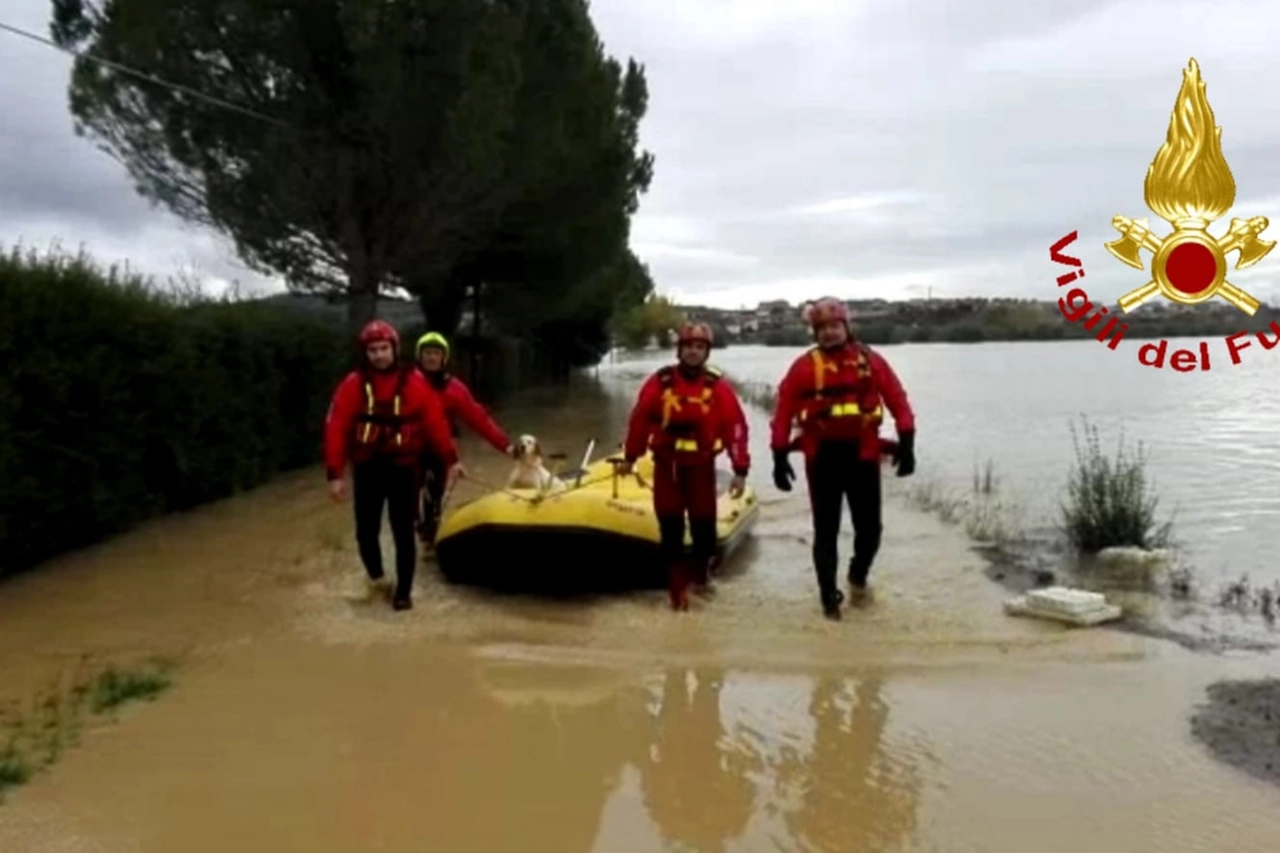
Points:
[(905, 456), (783, 473)]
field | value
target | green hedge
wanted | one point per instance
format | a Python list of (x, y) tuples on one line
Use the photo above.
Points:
[(119, 403)]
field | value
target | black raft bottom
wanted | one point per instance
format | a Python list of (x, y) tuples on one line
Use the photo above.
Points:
[(550, 559)]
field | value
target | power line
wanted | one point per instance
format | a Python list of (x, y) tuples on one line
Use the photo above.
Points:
[(142, 75), (330, 134)]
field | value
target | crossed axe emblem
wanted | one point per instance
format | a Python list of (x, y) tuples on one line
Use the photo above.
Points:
[(1198, 286)]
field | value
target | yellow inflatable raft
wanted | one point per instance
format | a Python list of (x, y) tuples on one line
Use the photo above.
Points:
[(598, 530)]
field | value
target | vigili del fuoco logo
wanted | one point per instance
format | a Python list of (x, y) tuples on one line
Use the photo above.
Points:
[(1190, 186)]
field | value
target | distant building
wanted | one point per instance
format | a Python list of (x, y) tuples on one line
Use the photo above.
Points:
[(775, 314)]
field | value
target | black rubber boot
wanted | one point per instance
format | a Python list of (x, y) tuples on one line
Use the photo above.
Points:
[(831, 601), (859, 592), (402, 602), (829, 594), (859, 569)]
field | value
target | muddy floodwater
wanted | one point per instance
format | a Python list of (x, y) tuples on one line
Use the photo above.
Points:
[(307, 716)]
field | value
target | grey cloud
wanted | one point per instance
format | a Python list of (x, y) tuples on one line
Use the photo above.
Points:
[(1017, 156), (47, 171), (59, 189), (1012, 122)]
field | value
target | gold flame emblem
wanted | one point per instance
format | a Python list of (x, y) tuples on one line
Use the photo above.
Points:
[(1189, 185)]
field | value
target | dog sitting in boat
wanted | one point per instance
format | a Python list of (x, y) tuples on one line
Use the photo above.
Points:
[(529, 471)]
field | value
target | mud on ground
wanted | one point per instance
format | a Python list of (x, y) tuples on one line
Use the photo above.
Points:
[(1240, 724), (1035, 564)]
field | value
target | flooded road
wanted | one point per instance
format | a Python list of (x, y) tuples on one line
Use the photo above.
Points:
[(306, 716)]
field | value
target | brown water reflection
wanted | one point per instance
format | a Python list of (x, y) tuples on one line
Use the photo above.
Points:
[(852, 792), (695, 776)]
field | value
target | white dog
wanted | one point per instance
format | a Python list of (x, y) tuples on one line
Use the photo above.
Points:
[(529, 471)]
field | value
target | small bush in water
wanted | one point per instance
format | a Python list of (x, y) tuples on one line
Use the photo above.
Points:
[(1109, 501)]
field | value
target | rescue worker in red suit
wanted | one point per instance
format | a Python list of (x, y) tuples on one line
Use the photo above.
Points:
[(382, 416), (459, 405), (837, 392), (687, 413)]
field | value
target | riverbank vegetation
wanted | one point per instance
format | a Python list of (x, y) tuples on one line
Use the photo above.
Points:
[(649, 322), (34, 737), (988, 516), (1110, 501), (121, 401)]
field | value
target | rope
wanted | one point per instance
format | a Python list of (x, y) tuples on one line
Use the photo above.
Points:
[(538, 498), (444, 499), (501, 489)]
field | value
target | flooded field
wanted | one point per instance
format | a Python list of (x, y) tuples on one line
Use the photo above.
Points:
[(306, 715)]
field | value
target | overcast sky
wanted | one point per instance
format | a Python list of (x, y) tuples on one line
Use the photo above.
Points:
[(862, 149)]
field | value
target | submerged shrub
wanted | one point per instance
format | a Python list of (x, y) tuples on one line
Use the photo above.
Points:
[(1109, 500)]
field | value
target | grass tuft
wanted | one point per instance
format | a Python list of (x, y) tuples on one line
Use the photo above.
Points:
[(35, 737), (1109, 501)]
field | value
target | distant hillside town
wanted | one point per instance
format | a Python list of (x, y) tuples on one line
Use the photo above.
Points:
[(880, 321), (779, 323)]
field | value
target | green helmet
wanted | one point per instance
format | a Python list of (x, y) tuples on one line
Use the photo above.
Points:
[(433, 339)]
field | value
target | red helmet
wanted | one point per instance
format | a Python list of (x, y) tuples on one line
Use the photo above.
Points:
[(825, 310), (691, 332), (379, 330)]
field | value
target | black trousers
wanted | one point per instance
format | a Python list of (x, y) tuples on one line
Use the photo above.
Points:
[(379, 483), (837, 475), (433, 480)]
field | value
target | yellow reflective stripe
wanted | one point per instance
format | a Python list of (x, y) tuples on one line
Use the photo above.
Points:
[(845, 410), (819, 369), (368, 427), (370, 410), (689, 445), (670, 403)]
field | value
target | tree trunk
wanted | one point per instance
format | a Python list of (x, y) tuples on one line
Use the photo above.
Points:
[(362, 304), (442, 306)]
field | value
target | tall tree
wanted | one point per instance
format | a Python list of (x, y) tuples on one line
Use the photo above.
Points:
[(579, 328), (574, 177), (364, 130), (638, 325)]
